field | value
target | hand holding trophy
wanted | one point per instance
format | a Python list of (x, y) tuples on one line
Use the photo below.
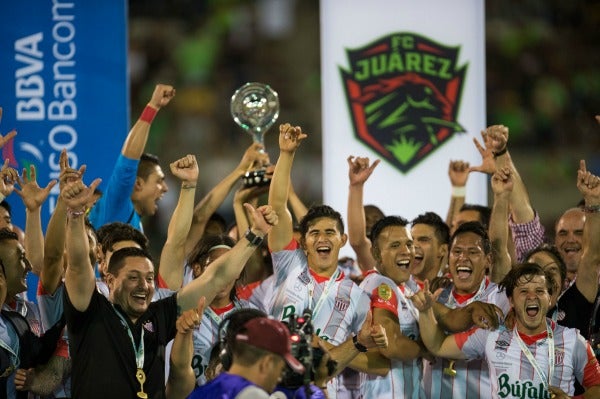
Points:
[(255, 107)]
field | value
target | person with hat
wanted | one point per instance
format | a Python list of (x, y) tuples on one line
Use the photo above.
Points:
[(260, 351)]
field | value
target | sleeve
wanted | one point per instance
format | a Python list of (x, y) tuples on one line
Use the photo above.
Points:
[(50, 305), (472, 342), (165, 314), (77, 320), (285, 261), (384, 297), (115, 204), (526, 236), (585, 364)]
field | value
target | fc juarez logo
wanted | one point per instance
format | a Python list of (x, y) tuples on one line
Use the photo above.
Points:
[(403, 92)]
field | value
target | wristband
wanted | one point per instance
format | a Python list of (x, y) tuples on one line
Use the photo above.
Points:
[(186, 186), (591, 208), (359, 347), (148, 114), (75, 213), (459, 191), (254, 240), (501, 152)]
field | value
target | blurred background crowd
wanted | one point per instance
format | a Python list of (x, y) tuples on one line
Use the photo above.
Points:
[(542, 72)]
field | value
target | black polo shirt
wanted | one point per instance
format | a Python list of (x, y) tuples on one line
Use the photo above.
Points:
[(103, 356)]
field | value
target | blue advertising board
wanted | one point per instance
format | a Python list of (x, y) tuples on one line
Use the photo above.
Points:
[(63, 84)]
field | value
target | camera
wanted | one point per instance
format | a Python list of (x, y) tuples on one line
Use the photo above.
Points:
[(301, 331)]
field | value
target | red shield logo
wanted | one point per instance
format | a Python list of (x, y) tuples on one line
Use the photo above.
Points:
[(403, 92)]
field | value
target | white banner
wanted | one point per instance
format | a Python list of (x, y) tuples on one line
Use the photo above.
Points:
[(404, 82)]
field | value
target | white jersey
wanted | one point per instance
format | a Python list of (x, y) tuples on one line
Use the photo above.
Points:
[(206, 337), (404, 378), (471, 379), (511, 372), (339, 306), (262, 295)]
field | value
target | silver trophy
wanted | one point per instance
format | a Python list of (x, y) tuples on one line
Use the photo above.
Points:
[(255, 107)]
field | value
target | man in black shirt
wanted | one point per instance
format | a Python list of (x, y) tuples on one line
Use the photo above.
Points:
[(116, 342)]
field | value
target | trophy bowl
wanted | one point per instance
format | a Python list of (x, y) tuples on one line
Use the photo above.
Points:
[(255, 108)]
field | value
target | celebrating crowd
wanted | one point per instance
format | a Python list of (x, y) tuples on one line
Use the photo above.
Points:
[(479, 305)]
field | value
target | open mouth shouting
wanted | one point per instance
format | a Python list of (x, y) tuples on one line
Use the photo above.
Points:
[(323, 250), (403, 263), (463, 272), (532, 309)]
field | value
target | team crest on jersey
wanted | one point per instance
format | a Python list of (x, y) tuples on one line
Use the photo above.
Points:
[(384, 292), (148, 326), (304, 277), (403, 91), (341, 304), (559, 356)]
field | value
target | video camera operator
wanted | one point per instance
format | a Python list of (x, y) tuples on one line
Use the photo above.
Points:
[(294, 382)]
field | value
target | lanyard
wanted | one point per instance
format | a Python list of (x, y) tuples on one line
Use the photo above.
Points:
[(546, 380), (139, 350), (323, 296)]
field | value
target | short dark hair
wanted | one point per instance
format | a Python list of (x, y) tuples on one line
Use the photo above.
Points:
[(384, 222), (146, 165), (118, 259), (4, 204), (476, 228), (553, 252), (527, 270), (317, 212), (442, 231), (485, 212), (111, 233)]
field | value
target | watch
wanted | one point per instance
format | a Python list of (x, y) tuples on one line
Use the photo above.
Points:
[(254, 240), (359, 347)]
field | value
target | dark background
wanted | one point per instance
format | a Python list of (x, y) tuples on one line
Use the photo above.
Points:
[(543, 82)]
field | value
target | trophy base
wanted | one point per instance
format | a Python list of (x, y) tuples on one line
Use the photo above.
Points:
[(256, 178)]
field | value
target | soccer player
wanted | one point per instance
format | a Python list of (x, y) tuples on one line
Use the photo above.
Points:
[(535, 357)]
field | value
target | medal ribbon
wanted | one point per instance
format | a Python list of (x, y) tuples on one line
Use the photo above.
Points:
[(546, 380), (139, 350)]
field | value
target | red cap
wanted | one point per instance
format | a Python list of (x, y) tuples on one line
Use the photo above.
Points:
[(273, 336)]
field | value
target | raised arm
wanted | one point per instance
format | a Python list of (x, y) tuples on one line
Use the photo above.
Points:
[(589, 266), (134, 145), (458, 172), (211, 202), (359, 172), (502, 185), (181, 379), (228, 267), (289, 140), (56, 231), (33, 197), (80, 281), (172, 257)]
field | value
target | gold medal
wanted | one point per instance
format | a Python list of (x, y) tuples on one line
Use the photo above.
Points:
[(8, 371), (141, 377), (450, 369), (384, 291)]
